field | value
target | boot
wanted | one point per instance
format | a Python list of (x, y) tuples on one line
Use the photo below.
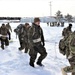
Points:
[(20, 48), (2, 46), (9, 38), (31, 64), (26, 50), (39, 63)]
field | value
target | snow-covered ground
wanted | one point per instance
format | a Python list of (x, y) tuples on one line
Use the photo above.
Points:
[(14, 62)]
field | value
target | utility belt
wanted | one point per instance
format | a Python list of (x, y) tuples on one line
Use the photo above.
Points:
[(3, 36), (37, 40)]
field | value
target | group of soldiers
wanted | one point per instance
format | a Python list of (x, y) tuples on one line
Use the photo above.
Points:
[(32, 40), (67, 47), (5, 35)]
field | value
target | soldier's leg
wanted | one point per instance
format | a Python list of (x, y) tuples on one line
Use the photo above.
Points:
[(21, 43), (2, 43), (33, 55), (22, 46), (43, 54), (63, 71), (26, 48), (9, 35), (73, 73), (68, 69), (72, 63), (6, 42)]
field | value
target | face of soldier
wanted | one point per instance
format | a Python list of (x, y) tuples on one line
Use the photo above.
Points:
[(38, 23), (3, 26), (70, 27), (27, 26)]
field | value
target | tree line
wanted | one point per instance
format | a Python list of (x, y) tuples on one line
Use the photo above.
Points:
[(67, 17), (10, 18)]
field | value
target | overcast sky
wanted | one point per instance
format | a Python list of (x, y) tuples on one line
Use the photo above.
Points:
[(26, 8)]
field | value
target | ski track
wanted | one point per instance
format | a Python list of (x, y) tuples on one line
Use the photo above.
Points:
[(14, 62)]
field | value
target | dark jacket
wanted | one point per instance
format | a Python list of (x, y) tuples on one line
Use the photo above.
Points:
[(4, 31), (35, 34)]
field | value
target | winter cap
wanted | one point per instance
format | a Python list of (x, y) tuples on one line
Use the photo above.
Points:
[(26, 24), (70, 25), (36, 19), (3, 24)]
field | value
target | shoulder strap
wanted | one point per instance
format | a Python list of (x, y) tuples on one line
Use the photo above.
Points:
[(32, 29)]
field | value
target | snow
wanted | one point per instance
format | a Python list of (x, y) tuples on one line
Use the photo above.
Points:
[(15, 62)]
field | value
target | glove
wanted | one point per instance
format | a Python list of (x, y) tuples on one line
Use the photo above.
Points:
[(9, 38), (43, 43)]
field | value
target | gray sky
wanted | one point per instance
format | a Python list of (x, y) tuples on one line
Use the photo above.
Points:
[(26, 8)]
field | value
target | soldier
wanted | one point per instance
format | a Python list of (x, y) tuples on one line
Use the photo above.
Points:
[(36, 43), (4, 33), (70, 53), (26, 29), (67, 31), (9, 28), (19, 31)]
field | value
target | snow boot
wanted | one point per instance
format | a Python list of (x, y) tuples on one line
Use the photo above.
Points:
[(31, 64), (2, 47), (40, 64), (20, 48)]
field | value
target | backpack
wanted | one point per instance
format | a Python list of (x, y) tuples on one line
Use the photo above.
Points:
[(64, 32), (19, 29), (72, 43), (62, 47)]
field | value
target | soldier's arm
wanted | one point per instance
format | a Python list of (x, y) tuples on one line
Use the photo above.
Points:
[(42, 37), (8, 31), (10, 28)]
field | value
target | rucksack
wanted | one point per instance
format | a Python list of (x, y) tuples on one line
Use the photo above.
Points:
[(19, 29), (72, 43), (62, 47), (64, 32)]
